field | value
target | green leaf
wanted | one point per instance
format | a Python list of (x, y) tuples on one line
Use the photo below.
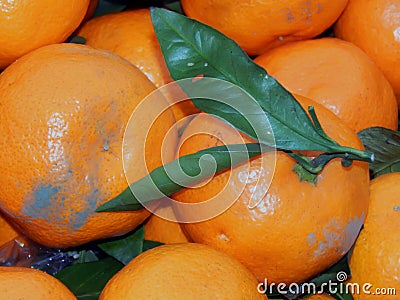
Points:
[(77, 40), (125, 248), (191, 48), (196, 52), (385, 144), (86, 256), (108, 6), (305, 175), (168, 179), (342, 296), (319, 283), (331, 273), (87, 280), (339, 296), (147, 245), (175, 6)]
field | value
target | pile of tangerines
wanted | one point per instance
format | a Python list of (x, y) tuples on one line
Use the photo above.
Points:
[(64, 108)]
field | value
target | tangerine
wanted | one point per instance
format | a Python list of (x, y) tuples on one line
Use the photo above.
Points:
[(131, 35), (28, 25), (194, 272), (375, 28), (26, 283), (281, 228), (338, 75), (261, 25), (65, 109), (375, 258)]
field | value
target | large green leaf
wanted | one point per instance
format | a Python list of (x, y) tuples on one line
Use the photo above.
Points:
[(87, 280), (385, 144), (196, 52), (125, 248), (191, 48), (168, 179)]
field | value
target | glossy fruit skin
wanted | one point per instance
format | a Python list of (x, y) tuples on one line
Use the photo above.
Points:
[(297, 229), (261, 25), (338, 75), (164, 231), (194, 272), (131, 35), (7, 231), (374, 26), (28, 25), (65, 109), (91, 10), (26, 283), (375, 258)]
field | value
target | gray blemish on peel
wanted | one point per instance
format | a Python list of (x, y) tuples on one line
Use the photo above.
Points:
[(311, 239), (321, 249), (41, 199), (336, 237), (48, 202), (351, 232), (79, 218), (331, 238)]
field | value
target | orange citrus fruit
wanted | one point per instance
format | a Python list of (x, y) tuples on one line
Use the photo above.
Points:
[(338, 75), (65, 108), (91, 9), (194, 272), (260, 25), (290, 230), (7, 231), (375, 258), (320, 297), (164, 231), (25, 283), (130, 34), (375, 28), (28, 25)]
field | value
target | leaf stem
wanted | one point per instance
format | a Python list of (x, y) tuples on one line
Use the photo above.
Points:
[(307, 169), (318, 127), (354, 154)]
